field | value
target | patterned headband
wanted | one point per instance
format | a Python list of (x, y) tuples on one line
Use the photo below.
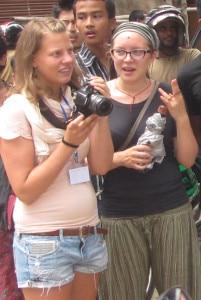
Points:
[(144, 30)]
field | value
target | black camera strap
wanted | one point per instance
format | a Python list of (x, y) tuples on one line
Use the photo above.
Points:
[(50, 116)]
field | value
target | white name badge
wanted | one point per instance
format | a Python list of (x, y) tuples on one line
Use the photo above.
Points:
[(79, 175)]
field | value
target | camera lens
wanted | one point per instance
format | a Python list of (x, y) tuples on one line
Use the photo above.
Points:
[(88, 101), (100, 105)]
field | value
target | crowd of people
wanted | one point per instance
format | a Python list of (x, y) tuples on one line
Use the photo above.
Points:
[(87, 209)]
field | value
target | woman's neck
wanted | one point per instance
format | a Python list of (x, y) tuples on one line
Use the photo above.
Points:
[(53, 92), (133, 94), (132, 88), (56, 94)]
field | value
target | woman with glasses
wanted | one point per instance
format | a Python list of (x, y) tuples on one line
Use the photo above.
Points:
[(146, 210)]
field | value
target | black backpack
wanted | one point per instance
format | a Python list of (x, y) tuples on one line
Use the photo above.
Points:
[(5, 192)]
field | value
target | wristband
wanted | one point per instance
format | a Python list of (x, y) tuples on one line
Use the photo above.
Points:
[(69, 144)]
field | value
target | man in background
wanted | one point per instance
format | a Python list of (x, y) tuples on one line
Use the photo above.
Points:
[(137, 15), (64, 11), (169, 24), (189, 80), (95, 20), (11, 34)]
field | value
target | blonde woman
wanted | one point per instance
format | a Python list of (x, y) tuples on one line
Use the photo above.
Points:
[(58, 245)]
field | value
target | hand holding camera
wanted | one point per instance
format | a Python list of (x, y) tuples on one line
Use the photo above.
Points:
[(93, 98)]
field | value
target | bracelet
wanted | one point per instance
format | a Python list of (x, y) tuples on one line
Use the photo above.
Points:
[(69, 144)]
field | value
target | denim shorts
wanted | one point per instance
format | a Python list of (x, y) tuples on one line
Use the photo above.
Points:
[(51, 261)]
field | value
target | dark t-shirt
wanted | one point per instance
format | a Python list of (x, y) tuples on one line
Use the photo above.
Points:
[(5, 191), (129, 192), (189, 80)]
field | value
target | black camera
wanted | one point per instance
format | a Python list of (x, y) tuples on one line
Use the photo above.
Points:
[(88, 101)]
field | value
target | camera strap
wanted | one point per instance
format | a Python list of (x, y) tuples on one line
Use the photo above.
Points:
[(50, 116)]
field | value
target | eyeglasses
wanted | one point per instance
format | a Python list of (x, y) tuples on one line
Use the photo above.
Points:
[(136, 54)]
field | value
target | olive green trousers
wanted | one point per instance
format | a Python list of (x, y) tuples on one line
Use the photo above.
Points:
[(167, 243)]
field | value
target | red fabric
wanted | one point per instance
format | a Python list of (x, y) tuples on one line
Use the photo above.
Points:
[(11, 204), (8, 284)]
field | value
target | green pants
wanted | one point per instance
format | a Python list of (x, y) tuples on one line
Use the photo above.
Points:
[(167, 243)]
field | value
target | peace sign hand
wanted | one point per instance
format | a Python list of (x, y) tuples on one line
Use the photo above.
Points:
[(174, 101)]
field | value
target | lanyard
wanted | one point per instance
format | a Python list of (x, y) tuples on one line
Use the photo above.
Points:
[(63, 110), (66, 119)]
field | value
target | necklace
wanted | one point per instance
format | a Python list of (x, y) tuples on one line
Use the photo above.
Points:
[(132, 96)]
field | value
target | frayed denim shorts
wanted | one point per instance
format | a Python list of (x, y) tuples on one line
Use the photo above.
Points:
[(51, 261)]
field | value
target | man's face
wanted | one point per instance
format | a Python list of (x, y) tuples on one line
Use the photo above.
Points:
[(167, 33), (75, 37), (93, 21)]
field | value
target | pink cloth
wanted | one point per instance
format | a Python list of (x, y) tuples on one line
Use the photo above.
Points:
[(8, 282)]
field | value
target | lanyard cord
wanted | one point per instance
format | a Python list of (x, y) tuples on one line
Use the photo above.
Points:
[(66, 119), (63, 110), (75, 155)]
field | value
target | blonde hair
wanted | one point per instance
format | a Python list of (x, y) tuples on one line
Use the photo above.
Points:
[(28, 44)]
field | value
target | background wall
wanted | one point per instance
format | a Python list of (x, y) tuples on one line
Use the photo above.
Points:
[(22, 10)]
